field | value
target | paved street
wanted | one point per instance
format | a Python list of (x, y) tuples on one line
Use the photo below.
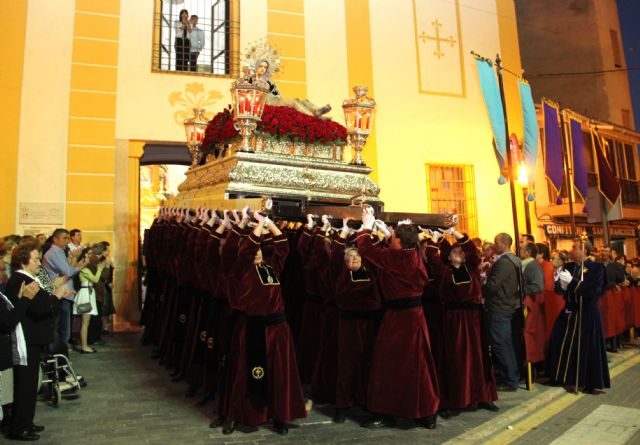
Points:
[(131, 400)]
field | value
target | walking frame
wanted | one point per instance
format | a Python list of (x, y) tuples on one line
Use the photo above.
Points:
[(57, 373)]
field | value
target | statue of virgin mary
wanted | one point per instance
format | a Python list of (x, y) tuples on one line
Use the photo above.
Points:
[(263, 60)]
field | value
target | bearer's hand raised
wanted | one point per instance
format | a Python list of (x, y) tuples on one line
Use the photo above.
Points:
[(311, 223), (245, 214), (383, 228), (226, 221), (368, 218), (326, 222)]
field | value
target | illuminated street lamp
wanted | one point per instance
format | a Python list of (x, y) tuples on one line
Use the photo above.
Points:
[(523, 175), (194, 127), (523, 180)]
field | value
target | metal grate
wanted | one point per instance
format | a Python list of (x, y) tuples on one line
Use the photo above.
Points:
[(452, 187), (218, 55)]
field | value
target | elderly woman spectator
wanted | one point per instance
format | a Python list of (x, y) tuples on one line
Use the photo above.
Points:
[(13, 348), (37, 326)]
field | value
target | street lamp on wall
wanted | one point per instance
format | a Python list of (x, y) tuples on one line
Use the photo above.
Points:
[(523, 175), (523, 180)]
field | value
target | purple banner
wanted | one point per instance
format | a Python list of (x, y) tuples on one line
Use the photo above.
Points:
[(553, 146), (579, 163)]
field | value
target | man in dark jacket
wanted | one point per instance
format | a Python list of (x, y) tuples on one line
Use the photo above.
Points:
[(501, 293)]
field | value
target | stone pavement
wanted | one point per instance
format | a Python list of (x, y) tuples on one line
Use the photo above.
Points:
[(131, 400), (606, 419), (609, 424)]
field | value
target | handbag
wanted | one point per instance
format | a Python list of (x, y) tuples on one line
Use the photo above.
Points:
[(84, 307)]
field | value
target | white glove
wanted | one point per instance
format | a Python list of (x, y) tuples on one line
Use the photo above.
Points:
[(236, 218), (407, 222), (368, 219), (565, 278), (382, 227), (436, 235), (326, 223), (226, 221), (245, 213), (310, 222)]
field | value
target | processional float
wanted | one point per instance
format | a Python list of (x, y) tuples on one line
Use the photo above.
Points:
[(282, 156)]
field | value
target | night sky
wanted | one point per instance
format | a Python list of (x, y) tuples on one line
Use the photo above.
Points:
[(629, 13)]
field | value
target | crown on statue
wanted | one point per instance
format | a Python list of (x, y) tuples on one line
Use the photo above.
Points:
[(263, 50)]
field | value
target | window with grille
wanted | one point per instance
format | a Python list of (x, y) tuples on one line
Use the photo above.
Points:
[(211, 47), (452, 188), (615, 48), (626, 118)]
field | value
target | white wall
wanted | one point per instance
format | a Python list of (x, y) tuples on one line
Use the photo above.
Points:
[(44, 114)]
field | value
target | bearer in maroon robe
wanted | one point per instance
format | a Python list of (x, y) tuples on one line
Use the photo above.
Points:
[(222, 321), (403, 379), (265, 382), (466, 378), (308, 346), (359, 306), (325, 374), (535, 334), (432, 307)]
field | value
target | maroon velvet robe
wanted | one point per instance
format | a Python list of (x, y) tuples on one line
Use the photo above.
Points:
[(359, 304), (204, 340), (403, 380), (308, 347), (433, 310), (224, 288), (466, 377), (253, 297), (325, 374)]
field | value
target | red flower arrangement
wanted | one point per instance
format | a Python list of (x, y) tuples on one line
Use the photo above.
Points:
[(219, 130), (279, 122)]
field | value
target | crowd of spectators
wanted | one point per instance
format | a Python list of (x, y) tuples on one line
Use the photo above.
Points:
[(46, 284)]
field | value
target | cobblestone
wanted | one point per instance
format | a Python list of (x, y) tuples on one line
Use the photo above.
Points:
[(130, 399)]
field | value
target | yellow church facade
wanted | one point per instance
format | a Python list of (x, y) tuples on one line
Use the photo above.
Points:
[(84, 91)]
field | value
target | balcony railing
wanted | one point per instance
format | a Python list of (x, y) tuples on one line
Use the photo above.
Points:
[(630, 191)]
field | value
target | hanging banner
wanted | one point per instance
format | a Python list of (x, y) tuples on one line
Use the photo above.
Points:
[(531, 132), (579, 162), (493, 102), (607, 181), (553, 168)]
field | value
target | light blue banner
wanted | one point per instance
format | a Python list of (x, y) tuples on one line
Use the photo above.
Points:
[(491, 94), (531, 132)]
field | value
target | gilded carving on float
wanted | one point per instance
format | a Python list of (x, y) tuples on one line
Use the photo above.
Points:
[(194, 96)]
